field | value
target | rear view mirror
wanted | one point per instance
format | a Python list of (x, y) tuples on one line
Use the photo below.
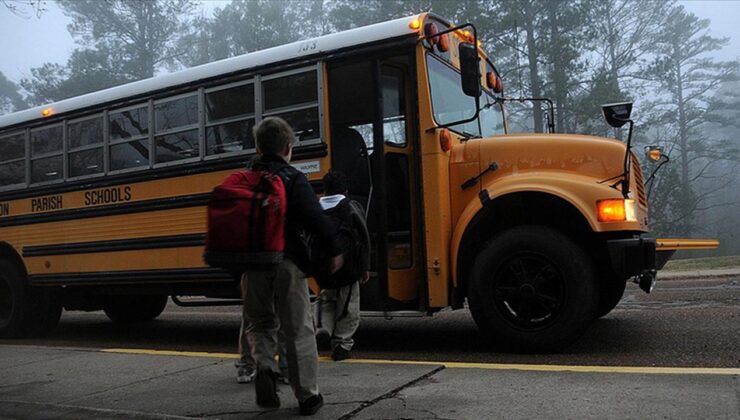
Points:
[(617, 114), (469, 69)]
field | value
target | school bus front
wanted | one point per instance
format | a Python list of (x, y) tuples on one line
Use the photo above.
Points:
[(544, 229)]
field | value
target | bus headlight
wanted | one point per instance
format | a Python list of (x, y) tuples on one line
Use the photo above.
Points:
[(616, 210)]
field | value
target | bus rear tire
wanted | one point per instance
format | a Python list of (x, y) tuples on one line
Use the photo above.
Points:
[(127, 309), (533, 290), (24, 310)]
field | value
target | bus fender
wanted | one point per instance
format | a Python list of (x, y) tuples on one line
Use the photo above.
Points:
[(579, 191), (7, 252)]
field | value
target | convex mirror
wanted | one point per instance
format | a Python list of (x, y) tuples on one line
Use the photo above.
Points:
[(617, 114)]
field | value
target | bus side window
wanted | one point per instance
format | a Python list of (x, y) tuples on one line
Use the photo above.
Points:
[(229, 119), (294, 98), (47, 162), (13, 160), (129, 138), (85, 145), (176, 129)]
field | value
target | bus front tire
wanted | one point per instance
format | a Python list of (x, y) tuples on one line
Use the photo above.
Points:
[(611, 291), (25, 311), (533, 290), (129, 309)]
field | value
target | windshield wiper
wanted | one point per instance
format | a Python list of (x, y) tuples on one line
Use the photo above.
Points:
[(469, 136)]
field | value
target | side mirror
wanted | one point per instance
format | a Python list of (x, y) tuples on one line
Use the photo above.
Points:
[(654, 153), (469, 69), (617, 114)]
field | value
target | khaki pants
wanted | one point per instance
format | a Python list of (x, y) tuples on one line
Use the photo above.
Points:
[(245, 349), (278, 299), (331, 317)]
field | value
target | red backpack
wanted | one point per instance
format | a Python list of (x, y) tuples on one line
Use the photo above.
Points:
[(246, 221)]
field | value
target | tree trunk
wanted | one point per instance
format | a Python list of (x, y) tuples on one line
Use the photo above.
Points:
[(613, 76), (534, 76), (560, 79)]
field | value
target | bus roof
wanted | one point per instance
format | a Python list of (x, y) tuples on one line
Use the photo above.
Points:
[(331, 42)]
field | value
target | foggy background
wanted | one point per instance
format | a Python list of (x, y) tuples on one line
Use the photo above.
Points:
[(677, 60)]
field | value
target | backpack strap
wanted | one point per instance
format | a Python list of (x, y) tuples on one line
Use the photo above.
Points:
[(363, 235), (345, 310)]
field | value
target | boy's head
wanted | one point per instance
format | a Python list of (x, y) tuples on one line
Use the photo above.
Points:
[(274, 137), (335, 182)]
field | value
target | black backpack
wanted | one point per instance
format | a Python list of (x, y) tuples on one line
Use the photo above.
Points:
[(341, 216)]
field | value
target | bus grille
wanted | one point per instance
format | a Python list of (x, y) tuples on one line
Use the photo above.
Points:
[(639, 182)]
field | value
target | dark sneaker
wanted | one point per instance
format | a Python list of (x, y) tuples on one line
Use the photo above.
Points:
[(340, 353), (311, 405), (323, 338), (266, 387), (245, 375), (282, 377)]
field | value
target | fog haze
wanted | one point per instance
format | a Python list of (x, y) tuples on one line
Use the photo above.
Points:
[(31, 41)]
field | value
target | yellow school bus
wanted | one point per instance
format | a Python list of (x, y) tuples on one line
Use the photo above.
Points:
[(102, 196)]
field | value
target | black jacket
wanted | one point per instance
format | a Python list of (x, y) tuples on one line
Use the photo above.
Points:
[(304, 214)]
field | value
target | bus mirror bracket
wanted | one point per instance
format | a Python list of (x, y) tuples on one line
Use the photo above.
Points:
[(617, 115)]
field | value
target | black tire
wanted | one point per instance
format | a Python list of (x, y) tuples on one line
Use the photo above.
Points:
[(46, 309), (533, 290), (134, 308), (611, 290), (25, 311)]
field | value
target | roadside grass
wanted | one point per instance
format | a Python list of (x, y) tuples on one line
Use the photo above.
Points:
[(693, 264)]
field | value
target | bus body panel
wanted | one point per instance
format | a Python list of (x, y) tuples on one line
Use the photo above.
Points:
[(435, 194)]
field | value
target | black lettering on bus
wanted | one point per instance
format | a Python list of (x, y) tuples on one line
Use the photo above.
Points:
[(108, 196), (4, 209), (47, 203)]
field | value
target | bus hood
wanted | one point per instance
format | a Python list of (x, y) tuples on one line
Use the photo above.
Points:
[(596, 157)]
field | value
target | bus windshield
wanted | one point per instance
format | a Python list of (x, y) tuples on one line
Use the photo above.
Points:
[(449, 103)]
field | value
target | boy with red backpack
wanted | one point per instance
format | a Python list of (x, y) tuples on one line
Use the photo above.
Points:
[(274, 257)]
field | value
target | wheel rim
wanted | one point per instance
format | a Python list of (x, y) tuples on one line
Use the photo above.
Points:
[(529, 291), (6, 302)]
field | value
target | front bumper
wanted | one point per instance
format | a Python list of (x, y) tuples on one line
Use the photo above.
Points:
[(634, 256), (637, 257), (643, 257)]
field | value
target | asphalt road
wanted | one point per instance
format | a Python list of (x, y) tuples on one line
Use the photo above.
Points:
[(683, 323)]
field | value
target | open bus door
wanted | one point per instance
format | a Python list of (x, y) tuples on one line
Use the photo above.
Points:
[(374, 143)]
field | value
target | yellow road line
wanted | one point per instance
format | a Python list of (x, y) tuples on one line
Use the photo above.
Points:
[(173, 353), (465, 365)]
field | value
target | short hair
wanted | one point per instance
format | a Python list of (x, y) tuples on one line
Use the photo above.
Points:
[(272, 135), (335, 182)]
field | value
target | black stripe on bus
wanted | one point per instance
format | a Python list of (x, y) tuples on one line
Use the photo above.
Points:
[(194, 275), (117, 245), (236, 162), (168, 203)]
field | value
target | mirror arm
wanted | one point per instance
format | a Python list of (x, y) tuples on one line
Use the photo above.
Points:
[(651, 178), (627, 159)]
